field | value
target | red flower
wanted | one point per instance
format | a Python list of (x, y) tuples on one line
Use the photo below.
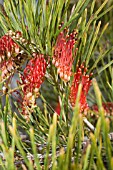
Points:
[(32, 78), (8, 52), (80, 77), (8, 48), (34, 73), (108, 107), (58, 109), (63, 58)]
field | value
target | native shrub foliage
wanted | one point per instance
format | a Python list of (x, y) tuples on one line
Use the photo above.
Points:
[(61, 119)]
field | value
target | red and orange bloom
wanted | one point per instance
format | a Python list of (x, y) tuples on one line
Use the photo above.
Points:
[(63, 54), (32, 78), (108, 108), (8, 48), (33, 74), (80, 77)]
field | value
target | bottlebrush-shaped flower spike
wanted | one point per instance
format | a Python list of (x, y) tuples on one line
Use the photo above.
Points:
[(63, 58), (108, 107), (8, 48), (33, 74), (80, 77), (32, 78), (9, 51)]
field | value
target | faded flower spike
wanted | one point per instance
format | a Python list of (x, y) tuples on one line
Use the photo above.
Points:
[(80, 77), (7, 68), (17, 36), (8, 48), (63, 57), (9, 51), (32, 78)]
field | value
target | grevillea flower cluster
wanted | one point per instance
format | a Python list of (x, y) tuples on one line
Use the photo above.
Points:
[(80, 77), (63, 54), (108, 108), (8, 51), (8, 48), (32, 78), (34, 72)]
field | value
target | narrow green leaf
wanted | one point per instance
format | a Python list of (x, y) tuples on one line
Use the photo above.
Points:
[(106, 66), (85, 167), (54, 141), (38, 167), (93, 43), (92, 7)]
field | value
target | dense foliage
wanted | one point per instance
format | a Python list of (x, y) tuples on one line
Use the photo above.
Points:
[(56, 82)]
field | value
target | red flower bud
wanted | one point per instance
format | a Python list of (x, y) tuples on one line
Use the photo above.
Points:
[(80, 77)]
